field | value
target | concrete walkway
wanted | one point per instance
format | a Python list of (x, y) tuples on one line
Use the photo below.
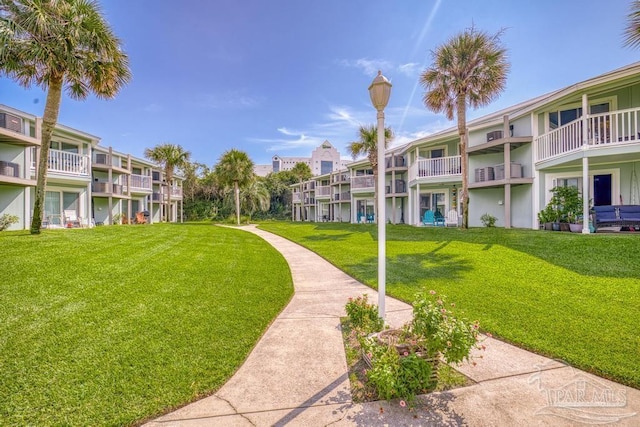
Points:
[(297, 373)]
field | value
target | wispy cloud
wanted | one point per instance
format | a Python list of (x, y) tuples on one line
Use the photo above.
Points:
[(369, 66), (152, 108), (410, 69), (237, 99)]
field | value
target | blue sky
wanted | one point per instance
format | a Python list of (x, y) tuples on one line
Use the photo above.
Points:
[(281, 76)]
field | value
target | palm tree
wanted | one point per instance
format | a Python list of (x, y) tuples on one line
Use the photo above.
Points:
[(632, 32), (255, 196), (470, 69), (235, 168), (302, 172), (56, 44), (368, 144), (170, 157)]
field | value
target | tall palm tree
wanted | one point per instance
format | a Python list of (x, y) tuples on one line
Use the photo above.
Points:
[(170, 157), (470, 69), (56, 44), (368, 144), (632, 32), (235, 168), (255, 196)]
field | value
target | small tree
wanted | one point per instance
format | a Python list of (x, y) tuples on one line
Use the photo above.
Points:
[(170, 156)]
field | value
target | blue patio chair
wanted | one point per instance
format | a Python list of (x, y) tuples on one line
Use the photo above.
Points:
[(370, 218), (428, 218), (438, 218)]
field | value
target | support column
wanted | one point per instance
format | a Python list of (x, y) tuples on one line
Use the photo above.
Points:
[(585, 194), (507, 173)]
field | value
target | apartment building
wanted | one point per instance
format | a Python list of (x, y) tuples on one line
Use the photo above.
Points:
[(324, 159), (87, 184), (585, 135)]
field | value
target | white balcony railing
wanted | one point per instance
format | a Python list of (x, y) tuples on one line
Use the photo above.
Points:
[(67, 163), (140, 182), (360, 182), (323, 190), (176, 191), (442, 166), (604, 129)]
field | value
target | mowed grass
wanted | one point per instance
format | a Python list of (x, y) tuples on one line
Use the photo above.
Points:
[(113, 325), (564, 295)]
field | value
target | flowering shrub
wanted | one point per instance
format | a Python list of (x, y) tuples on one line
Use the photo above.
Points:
[(363, 315), (6, 220), (443, 333), (402, 361)]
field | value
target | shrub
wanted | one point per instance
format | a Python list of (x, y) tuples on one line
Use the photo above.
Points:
[(364, 315), (488, 220), (6, 220)]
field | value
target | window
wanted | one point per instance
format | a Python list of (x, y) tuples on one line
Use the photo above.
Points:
[(326, 167), (432, 201), (562, 117)]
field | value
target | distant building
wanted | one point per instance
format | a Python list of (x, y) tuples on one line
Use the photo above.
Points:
[(324, 159)]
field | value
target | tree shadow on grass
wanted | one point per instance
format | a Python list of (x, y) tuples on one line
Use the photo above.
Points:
[(413, 269), (321, 237)]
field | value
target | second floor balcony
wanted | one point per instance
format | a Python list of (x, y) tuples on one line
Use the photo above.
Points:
[(295, 198), (139, 183), (176, 192), (67, 163), (107, 188), (436, 168), (323, 191), (362, 182), (614, 128)]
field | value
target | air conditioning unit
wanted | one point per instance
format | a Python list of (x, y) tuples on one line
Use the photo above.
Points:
[(11, 122), (496, 134), (484, 174)]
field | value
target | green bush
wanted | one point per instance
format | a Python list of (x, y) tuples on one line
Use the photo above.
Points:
[(488, 220)]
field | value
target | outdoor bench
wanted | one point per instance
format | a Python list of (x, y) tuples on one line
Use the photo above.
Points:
[(616, 216)]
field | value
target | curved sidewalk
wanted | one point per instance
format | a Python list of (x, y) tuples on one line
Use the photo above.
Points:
[(297, 373)]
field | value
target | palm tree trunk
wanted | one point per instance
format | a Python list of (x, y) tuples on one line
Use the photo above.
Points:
[(236, 192), (49, 119), (464, 163), (169, 174)]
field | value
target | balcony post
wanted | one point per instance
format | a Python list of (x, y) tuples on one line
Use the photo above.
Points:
[(585, 120)]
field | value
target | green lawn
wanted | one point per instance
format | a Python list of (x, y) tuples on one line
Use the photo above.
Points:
[(113, 325), (564, 295)]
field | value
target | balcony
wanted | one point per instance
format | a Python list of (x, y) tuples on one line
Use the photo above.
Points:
[(107, 188), (395, 162), (140, 183), (615, 128), (66, 163), (400, 187), (158, 197), (295, 198), (342, 197), (14, 131), (308, 186), (436, 168), (176, 192), (323, 191), (362, 182), (310, 201), (342, 178)]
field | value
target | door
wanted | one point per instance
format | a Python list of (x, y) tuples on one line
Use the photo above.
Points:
[(602, 190)]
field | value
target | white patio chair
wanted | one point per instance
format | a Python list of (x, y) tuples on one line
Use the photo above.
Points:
[(452, 218), (71, 217)]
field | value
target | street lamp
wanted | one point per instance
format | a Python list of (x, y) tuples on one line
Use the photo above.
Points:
[(380, 90)]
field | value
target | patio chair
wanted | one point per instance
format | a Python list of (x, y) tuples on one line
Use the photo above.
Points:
[(140, 218), (452, 218), (428, 218), (71, 219), (438, 218)]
